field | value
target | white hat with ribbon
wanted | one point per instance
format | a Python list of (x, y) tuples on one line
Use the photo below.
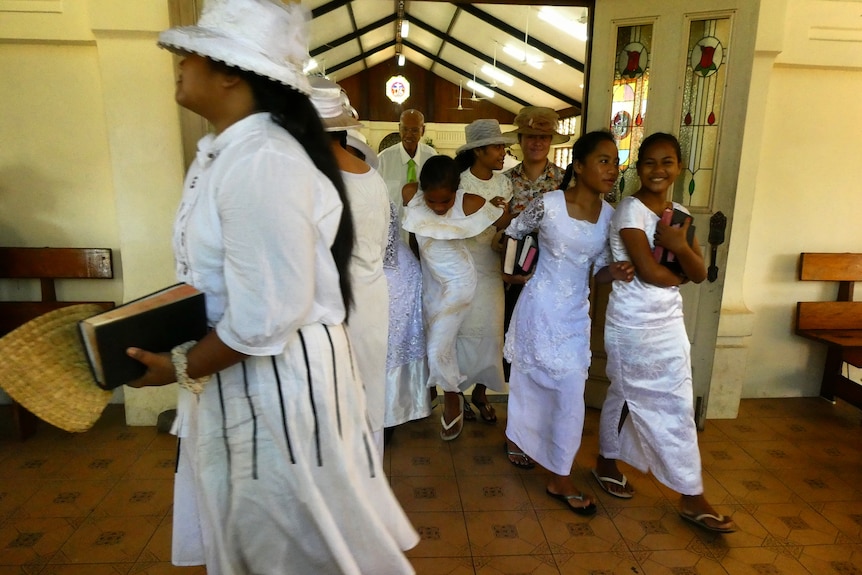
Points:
[(265, 37)]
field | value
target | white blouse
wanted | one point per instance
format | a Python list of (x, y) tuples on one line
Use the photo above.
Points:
[(253, 232)]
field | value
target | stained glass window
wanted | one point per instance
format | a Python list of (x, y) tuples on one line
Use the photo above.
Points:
[(571, 127), (629, 103), (703, 96)]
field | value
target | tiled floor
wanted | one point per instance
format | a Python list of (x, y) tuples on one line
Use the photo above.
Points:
[(789, 470)]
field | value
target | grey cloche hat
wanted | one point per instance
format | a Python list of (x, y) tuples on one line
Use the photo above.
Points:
[(484, 133), (332, 105), (265, 37)]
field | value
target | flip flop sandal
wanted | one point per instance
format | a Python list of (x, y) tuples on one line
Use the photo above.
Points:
[(699, 521), (458, 421), (601, 479), (485, 407), (583, 511), (469, 414), (527, 463)]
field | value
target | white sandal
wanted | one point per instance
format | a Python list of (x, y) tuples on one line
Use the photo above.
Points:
[(459, 421)]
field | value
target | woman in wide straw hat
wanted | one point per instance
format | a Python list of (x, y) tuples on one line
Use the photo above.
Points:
[(536, 131), (276, 466), (480, 340)]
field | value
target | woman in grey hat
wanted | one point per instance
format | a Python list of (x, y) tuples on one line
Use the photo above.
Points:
[(276, 473), (480, 340)]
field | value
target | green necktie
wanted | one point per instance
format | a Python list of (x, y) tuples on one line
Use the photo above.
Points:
[(411, 171)]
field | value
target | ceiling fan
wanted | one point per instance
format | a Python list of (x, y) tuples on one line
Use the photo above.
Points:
[(474, 86), (460, 105)]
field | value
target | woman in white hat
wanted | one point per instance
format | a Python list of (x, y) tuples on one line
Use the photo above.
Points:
[(480, 341), (369, 203), (276, 452)]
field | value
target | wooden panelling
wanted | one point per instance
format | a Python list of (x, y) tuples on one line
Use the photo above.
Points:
[(436, 98)]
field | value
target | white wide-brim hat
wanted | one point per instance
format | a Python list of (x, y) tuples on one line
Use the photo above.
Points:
[(355, 139), (484, 133), (265, 37), (332, 105)]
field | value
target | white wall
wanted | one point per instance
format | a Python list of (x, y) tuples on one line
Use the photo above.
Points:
[(808, 199), (89, 145)]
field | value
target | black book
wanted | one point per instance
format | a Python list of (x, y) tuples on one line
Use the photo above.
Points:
[(675, 218), (157, 322)]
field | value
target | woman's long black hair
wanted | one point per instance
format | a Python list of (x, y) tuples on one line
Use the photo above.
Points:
[(466, 159), (294, 112)]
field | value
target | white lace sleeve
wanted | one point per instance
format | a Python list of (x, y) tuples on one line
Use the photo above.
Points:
[(390, 259), (528, 220)]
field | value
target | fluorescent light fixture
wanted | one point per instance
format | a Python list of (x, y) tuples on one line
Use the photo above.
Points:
[(521, 56), (484, 90), (400, 59), (309, 66), (405, 28), (571, 27), (498, 75)]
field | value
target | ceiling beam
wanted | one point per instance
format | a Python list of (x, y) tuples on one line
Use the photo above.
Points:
[(328, 7), (519, 34), (358, 37), (458, 70), (355, 34), (476, 54), (448, 32), (358, 57)]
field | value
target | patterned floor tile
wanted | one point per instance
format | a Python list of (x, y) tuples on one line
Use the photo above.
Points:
[(617, 562), (108, 540), (516, 565), (493, 493), (795, 524), (427, 492), (494, 533), (442, 534), (71, 498)]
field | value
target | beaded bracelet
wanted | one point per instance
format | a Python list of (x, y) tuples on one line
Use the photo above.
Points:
[(180, 360)]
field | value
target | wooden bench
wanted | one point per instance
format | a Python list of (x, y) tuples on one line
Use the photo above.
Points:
[(46, 265), (837, 323)]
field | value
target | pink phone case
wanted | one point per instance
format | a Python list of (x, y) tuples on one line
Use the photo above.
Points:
[(528, 261)]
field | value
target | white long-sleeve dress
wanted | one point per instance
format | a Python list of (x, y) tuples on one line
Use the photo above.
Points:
[(548, 342), (276, 452), (449, 278), (368, 324), (648, 416), (480, 340)]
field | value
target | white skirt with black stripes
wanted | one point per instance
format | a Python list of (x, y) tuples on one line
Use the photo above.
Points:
[(284, 470)]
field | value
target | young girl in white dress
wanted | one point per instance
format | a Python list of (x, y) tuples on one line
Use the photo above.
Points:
[(648, 416), (442, 217), (480, 340), (548, 341)]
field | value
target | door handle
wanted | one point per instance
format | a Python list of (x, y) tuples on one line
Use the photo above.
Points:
[(717, 226)]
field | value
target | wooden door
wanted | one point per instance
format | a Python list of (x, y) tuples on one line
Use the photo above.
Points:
[(683, 68)]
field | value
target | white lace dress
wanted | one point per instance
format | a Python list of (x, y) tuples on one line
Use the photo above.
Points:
[(480, 341), (406, 367), (548, 342), (449, 279), (648, 416)]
